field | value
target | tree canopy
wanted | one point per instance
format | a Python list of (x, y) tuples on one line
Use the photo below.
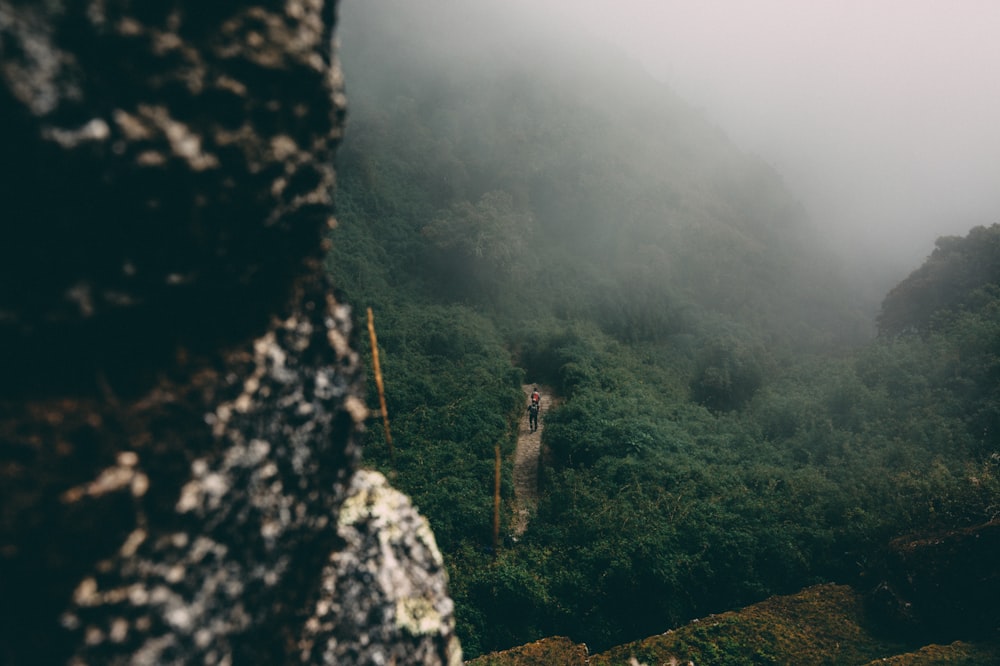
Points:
[(729, 428)]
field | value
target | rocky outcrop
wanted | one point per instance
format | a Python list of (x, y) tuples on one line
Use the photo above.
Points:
[(942, 586), (555, 650), (167, 174), (389, 569), (179, 411), (822, 624)]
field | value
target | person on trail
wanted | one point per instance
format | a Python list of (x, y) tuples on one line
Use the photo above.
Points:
[(536, 397), (533, 416)]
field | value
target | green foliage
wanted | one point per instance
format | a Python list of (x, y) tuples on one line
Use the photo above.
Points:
[(718, 441), (479, 244), (946, 281), (450, 392), (727, 377)]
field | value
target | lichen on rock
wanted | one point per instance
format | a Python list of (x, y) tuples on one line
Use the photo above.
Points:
[(390, 566)]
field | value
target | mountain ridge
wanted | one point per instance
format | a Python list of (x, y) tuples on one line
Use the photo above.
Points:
[(821, 624)]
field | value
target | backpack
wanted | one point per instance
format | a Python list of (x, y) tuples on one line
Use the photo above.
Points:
[(535, 397)]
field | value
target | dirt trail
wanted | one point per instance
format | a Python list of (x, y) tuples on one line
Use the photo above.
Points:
[(526, 461)]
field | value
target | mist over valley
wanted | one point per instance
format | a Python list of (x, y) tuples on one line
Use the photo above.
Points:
[(753, 392)]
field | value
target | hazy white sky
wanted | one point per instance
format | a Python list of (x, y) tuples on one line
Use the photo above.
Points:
[(882, 115)]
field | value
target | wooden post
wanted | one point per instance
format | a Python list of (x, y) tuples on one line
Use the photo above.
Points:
[(381, 388), (496, 503)]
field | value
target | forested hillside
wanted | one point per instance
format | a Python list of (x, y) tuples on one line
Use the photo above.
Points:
[(518, 210)]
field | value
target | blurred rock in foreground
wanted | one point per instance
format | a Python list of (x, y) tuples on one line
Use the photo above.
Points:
[(178, 410)]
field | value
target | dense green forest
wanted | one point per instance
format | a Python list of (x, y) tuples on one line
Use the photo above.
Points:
[(735, 422)]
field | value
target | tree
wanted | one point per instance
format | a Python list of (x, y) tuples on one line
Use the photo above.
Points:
[(728, 376), (956, 269), (482, 241)]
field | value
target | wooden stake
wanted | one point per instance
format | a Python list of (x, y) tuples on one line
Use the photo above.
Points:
[(496, 503), (380, 386)]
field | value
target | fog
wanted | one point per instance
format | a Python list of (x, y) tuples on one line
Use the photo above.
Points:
[(882, 117)]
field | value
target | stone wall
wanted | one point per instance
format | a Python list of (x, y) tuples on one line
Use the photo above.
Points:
[(179, 397)]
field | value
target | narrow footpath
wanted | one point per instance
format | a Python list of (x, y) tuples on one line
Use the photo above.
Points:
[(526, 461)]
